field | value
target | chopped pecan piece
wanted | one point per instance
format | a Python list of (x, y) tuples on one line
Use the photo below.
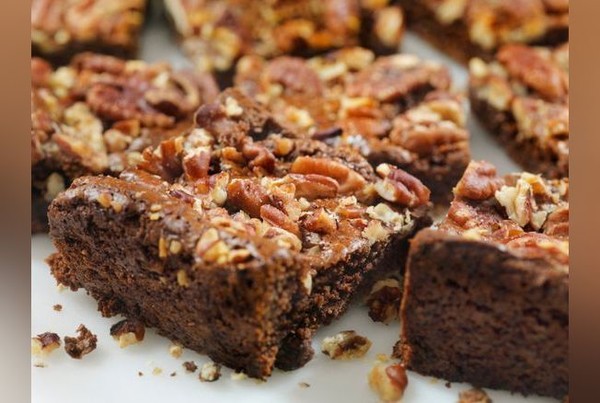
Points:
[(347, 179), (210, 372), (345, 345), (45, 343), (479, 182), (81, 345), (384, 300), (278, 218), (248, 196), (473, 396), (314, 186), (388, 381), (128, 332), (190, 366), (400, 187)]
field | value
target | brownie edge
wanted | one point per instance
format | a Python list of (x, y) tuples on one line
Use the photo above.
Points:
[(473, 312)]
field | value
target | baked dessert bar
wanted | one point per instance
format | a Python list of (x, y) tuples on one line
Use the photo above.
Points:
[(523, 98), (238, 239), (477, 28), (393, 109), (486, 292), (216, 33), (97, 115), (62, 28)]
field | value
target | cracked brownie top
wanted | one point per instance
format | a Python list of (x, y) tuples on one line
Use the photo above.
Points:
[(523, 212)]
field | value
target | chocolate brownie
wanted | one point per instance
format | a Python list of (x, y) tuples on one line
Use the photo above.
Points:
[(216, 33), (523, 98), (97, 115), (477, 28), (486, 292), (238, 238), (393, 109), (62, 28)]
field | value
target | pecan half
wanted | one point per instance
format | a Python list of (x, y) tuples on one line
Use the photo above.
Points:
[(259, 156), (388, 381), (278, 218), (348, 179), (479, 181), (527, 64), (314, 186), (247, 196), (400, 187)]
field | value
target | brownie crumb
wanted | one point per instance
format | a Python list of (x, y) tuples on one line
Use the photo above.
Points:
[(57, 307), (210, 372), (175, 350), (140, 373), (345, 345), (304, 385), (44, 343), (388, 381), (40, 365), (128, 332), (448, 385), (473, 396), (172, 374), (81, 345), (190, 366), (384, 300)]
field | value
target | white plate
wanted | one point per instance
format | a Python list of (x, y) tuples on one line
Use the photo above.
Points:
[(110, 374)]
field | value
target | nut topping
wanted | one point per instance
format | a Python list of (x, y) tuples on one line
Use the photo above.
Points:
[(128, 332), (388, 381), (45, 343), (345, 345)]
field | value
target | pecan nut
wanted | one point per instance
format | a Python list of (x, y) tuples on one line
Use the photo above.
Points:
[(400, 187), (347, 179), (247, 196)]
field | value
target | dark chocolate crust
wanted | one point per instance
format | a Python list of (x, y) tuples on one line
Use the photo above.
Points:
[(269, 233), (475, 313), (453, 38)]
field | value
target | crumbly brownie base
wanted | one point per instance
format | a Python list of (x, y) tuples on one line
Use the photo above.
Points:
[(527, 153), (237, 317), (453, 39), (507, 316)]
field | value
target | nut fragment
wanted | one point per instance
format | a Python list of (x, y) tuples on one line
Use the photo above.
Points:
[(384, 300), (210, 372), (388, 381), (128, 332), (190, 366), (345, 345), (400, 187), (43, 344), (175, 350), (81, 345), (473, 396)]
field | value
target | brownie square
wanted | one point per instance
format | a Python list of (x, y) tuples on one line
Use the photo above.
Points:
[(393, 109), (238, 238), (62, 28), (97, 115), (477, 28), (216, 33), (486, 292), (523, 98)]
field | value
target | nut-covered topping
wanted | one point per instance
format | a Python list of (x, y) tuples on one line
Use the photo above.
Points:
[(278, 218), (400, 187), (45, 343), (479, 182), (345, 345), (81, 345), (210, 372), (527, 64), (473, 396), (384, 300), (294, 75), (520, 203), (128, 332), (388, 381)]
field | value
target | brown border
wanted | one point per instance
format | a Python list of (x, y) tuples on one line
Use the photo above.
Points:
[(585, 193), (15, 290)]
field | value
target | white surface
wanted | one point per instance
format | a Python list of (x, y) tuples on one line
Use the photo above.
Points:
[(110, 374)]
